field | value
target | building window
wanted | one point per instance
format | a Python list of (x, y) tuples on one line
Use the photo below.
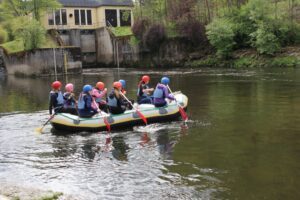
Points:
[(83, 17), (64, 16), (58, 17), (111, 17), (89, 17), (50, 18), (76, 13), (125, 17)]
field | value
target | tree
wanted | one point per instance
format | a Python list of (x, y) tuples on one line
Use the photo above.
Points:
[(264, 40), (221, 35), (30, 31), (17, 8)]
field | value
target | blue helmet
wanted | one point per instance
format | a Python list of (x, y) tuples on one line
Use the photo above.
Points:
[(123, 82), (165, 80), (87, 88)]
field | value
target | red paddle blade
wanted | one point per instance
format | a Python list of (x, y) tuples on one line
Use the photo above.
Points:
[(142, 116), (183, 114), (107, 124)]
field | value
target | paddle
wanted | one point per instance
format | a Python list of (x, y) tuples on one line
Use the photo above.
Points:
[(39, 130), (136, 110), (181, 110), (104, 118)]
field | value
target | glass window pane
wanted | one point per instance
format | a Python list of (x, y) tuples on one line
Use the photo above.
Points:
[(111, 17), (57, 17), (82, 17), (50, 18), (89, 17), (125, 17), (64, 16), (76, 13)]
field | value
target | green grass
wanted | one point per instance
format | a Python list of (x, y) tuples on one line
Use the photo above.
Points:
[(121, 31), (13, 46)]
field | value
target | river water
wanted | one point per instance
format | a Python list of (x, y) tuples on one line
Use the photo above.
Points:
[(242, 140)]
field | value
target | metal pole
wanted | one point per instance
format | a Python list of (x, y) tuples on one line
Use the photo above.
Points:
[(54, 60), (118, 60)]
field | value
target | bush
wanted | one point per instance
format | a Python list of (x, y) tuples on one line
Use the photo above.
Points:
[(288, 61), (3, 35), (139, 28), (221, 36), (193, 31), (155, 36), (244, 62), (264, 40)]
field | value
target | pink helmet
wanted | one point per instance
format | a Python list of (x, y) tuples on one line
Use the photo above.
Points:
[(69, 87)]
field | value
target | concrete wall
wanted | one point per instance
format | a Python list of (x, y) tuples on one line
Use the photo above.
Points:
[(75, 38), (104, 46), (41, 62)]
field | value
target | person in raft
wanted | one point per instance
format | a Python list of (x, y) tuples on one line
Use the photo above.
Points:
[(123, 83), (125, 102), (69, 100), (115, 100), (56, 99), (144, 91), (85, 101), (98, 94), (161, 93)]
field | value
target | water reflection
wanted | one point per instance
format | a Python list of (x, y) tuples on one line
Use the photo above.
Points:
[(119, 151), (165, 144)]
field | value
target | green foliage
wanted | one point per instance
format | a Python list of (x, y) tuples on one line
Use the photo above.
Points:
[(134, 41), (287, 61), (264, 40), (206, 62), (3, 35), (121, 31), (30, 32), (244, 62), (221, 35), (13, 46), (18, 8)]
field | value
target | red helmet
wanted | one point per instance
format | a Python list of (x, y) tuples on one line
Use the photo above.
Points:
[(117, 85), (56, 85), (100, 85), (145, 79)]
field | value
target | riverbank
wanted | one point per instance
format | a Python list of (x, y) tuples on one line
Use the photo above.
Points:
[(248, 58)]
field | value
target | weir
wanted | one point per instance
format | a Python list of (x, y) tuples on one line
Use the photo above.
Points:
[(41, 62)]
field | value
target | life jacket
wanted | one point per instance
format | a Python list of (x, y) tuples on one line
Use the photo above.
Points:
[(99, 99), (68, 102), (112, 100), (144, 86), (59, 98), (81, 101), (159, 92)]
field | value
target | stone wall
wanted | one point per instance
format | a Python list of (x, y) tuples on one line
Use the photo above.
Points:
[(171, 53), (40, 62)]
